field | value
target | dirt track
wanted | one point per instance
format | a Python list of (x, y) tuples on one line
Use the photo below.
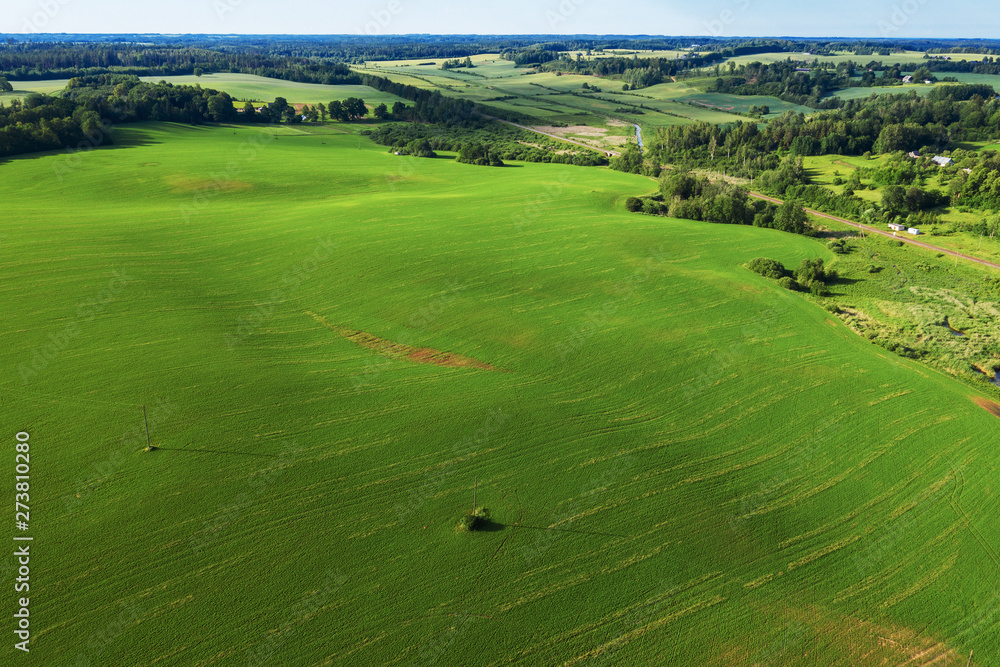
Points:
[(890, 235), (553, 136)]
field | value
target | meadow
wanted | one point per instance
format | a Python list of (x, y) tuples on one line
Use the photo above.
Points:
[(337, 347)]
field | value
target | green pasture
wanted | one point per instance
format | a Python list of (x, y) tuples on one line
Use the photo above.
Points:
[(686, 464), (24, 88), (264, 89)]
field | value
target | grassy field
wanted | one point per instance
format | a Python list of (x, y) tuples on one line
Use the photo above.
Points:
[(24, 88), (549, 98), (239, 86), (686, 464), (823, 169)]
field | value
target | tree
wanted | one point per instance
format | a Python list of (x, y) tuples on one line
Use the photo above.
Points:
[(630, 161), (322, 112), (198, 71), (398, 108), (249, 113), (381, 111), (291, 115), (894, 200), (278, 107), (355, 108), (790, 217), (336, 110), (221, 108), (5, 86)]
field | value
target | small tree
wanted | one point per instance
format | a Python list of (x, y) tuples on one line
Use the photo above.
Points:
[(381, 112)]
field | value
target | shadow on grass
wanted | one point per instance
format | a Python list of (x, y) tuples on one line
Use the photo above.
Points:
[(123, 138), (214, 451)]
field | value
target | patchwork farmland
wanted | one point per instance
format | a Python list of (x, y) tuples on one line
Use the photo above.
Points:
[(683, 460)]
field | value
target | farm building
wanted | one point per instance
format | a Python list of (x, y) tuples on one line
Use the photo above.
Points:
[(914, 231), (896, 227), (942, 161), (907, 79), (913, 154)]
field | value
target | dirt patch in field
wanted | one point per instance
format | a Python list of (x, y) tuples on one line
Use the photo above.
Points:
[(988, 405), (388, 348), (578, 130), (617, 123), (183, 184)]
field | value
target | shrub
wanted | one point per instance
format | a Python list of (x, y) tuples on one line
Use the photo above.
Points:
[(474, 520), (838, 246), (769, 268), (633, 204), (789, 283)]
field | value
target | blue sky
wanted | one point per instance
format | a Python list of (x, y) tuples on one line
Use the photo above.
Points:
[(849, 18)]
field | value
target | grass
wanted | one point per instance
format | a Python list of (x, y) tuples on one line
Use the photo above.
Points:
[(239, 86), (684, 463)]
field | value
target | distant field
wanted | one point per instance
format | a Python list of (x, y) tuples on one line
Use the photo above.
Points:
[(239, 86), (685, 463), (545, 96), (22, 88), (258, 88), (907, 58)]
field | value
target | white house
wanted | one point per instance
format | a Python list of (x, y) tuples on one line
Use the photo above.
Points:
[(914, 231), (942, 161), (896, 227), (907, 79)]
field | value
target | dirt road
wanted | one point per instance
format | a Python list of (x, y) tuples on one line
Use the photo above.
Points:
[(890, 235)]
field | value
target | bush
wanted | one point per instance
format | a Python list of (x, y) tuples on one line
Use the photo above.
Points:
[(789, 284), (633, 204), (838, 246), (769, 268), (474, 520)]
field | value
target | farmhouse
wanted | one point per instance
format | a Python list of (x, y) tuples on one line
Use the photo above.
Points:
[(942, 161), (913, 154), (896, 227), (907, 79), (914, 231)]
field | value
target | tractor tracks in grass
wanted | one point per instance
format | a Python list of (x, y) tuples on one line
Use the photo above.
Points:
[(957, 508)]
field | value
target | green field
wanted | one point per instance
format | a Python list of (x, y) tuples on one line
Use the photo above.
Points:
[(239, 86), (23, 88), (686, 464)]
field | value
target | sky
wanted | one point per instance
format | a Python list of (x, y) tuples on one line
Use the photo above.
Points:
[(722, 18)]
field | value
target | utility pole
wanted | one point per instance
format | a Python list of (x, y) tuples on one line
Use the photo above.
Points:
[(146, 422)]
